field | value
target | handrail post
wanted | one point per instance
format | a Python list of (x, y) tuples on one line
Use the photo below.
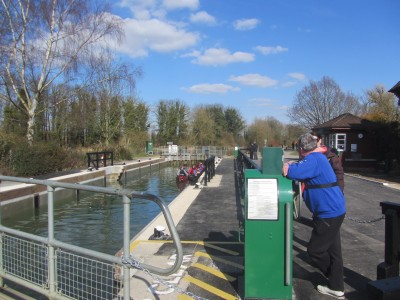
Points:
[(1, 252), (213, 167), (205, 173), (126, 247), (51, 258)]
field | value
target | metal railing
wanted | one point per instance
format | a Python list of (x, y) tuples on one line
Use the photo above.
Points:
[(209, 169), (60, 270), (243, 162), (100, 159), (195, 152)]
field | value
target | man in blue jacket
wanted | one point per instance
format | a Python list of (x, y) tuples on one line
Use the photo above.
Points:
[(325, 200)]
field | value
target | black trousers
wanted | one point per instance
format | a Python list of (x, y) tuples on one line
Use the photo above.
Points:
[(325, 250)]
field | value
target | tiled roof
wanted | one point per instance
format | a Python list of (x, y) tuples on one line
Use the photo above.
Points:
[(347, 121), (396, 89)]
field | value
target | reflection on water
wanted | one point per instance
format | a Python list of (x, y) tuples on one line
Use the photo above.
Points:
[(96, 221)]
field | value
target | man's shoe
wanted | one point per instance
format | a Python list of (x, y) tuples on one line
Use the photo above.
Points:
[(327, 291)]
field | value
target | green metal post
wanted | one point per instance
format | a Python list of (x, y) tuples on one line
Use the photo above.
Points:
[(268, 230), (149, 147)]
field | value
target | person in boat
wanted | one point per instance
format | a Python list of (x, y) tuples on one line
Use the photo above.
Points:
[(200, 167), (182, 171), (182, 175), (194, 173), (193, 170)]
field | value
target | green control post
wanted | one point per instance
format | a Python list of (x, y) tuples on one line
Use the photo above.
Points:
[(149, 147), (268, 229)]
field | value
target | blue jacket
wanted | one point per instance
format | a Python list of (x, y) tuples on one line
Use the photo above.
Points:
[(327, 202)]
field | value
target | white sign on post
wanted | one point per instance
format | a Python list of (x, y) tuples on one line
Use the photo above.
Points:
[(262, 199)]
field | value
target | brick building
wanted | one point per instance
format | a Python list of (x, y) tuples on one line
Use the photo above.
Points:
[(357, 140)]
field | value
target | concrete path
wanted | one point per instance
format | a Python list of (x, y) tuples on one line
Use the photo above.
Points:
[(210, 220)]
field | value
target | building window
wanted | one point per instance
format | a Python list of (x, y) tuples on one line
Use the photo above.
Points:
[(338, 141)]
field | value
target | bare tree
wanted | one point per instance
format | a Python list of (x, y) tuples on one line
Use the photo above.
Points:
[(321, 101), (44, 41)]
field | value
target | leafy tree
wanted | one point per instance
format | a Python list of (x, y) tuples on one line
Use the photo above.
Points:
[(320, 102), (381, 105), (71, 122), (268, 130), (172, 120), (110, 121), (87, 118), (203, 127), (292, 134), (135, 115), (182, 112), (226, 124), (46, 41), (216, 112), (234, 121), (15, 120), (111, 81)]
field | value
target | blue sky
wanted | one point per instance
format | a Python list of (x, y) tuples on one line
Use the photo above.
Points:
[(255, 55)]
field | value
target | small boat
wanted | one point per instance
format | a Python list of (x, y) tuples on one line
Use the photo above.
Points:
[(182, 178)]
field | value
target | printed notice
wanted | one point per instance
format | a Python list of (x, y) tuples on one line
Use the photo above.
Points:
[(262, 199)]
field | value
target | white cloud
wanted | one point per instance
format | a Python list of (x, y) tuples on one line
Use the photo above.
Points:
[(283, 107), (261, 102), (150, 30), (140, 9), (178, 4), (147, 9), (298, 76), (289, 84), (246, 24), (255, 80), (222, 56), (156, 35), (194, 53), (271, 50), (208, 88), (202, 17)]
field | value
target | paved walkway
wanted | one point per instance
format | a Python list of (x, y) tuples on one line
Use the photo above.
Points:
[(210, 231), (209, 222)]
